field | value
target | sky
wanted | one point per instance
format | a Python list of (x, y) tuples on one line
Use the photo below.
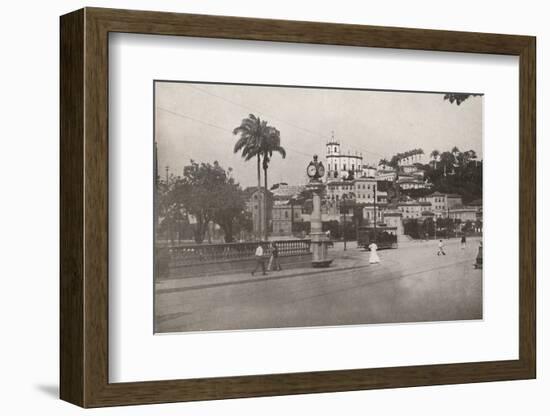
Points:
[(195, 121)]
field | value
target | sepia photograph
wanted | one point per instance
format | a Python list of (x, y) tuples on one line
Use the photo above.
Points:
[(295, 206)]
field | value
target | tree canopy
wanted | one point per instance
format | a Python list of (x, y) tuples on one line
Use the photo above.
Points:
[(458, 98), (208, 193)]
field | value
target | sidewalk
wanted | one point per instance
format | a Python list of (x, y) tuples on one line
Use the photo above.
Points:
[(350, 259), (342, 262)]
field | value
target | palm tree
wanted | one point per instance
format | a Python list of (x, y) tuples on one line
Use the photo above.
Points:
[(435, 155), (271, 143), (447, 159), (258, 139), (472, 156), (252, 131)]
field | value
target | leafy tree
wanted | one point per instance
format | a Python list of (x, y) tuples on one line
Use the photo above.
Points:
[(447, 161), (170, 213), (394, 161), (478, 225), (209, 194), (411, 228), (458, 98), (428, 227), (468, 226), (457, 175)]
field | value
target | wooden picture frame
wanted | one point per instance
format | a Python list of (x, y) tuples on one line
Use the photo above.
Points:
[(84, 207)]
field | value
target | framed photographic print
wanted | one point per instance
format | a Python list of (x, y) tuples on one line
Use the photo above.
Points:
[(256, 207)]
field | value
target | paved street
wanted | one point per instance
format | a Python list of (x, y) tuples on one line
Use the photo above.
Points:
[(411, 284)]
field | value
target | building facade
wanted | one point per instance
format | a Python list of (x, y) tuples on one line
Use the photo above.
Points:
[(441, 203), (463, 214), (413, 156), (412, 209), (365, 190), (259, 205), (284, 215), (372, 211), (339, 163)]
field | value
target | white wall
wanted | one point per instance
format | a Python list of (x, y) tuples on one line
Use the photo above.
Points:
[(29, 209)]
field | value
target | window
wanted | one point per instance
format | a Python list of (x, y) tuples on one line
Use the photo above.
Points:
[(335, 149), (344, 166)]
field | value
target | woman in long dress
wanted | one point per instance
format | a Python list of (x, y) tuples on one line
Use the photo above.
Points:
[(373, 256)]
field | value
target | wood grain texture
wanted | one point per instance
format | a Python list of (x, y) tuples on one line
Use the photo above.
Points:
[(528, 207), (84, 204), (71, 213)]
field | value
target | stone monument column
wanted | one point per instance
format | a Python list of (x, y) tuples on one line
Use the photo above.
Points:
[(319, 240)]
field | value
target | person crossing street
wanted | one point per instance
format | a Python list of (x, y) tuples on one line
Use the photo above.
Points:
[(259, 255), (463, 242), (440, 247), (274, 263)]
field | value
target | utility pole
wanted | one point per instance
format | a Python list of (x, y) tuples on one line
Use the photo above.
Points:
[(375, 212), (344, 199), (448, 217)]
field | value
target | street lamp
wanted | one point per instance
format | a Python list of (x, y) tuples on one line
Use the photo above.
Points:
[(344, 205)]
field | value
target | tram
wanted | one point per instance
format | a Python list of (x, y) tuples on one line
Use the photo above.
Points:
[(382, 235)]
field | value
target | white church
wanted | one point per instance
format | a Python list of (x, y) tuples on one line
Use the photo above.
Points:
[(339, 163)]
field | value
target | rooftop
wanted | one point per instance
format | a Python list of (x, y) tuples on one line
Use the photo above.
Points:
[(442, 194), (287, 191)]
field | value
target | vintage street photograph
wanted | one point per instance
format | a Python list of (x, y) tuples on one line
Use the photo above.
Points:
[(295, 206)]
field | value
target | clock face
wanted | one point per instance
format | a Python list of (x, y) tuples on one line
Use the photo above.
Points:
[(321, 170), (311, 171)]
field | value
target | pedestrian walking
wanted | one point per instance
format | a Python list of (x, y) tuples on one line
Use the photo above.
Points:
[(373, 258), (274, 263), (259, 255), (440, 247), (463, 242), (479, 258)]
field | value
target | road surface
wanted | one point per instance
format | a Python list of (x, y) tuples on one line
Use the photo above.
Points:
[(411, 284)]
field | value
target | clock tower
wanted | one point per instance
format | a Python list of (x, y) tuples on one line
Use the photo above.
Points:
[(319, 241), (315, 170)]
